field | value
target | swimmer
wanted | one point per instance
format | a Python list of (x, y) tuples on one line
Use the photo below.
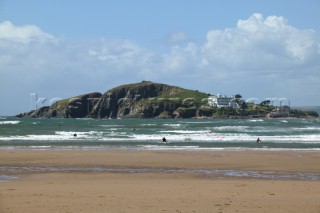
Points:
[(164, 140)]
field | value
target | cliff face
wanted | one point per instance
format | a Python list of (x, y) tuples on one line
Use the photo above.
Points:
[(140, 100), (76, 107)]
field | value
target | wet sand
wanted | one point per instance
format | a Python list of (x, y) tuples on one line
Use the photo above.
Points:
[(156, 191)]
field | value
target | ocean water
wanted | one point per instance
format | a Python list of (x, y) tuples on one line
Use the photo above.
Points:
[(147, 134)]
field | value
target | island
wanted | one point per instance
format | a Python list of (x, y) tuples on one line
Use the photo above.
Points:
[(148, 99)]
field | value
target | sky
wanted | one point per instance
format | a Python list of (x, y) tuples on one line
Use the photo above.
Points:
[(60, 49)]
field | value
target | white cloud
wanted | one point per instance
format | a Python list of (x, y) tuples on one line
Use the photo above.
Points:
[(117, 53), (258, 43), (257, 23), (24, 34), (258, 57)]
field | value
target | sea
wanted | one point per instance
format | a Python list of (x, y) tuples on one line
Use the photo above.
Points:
[(148, 134)]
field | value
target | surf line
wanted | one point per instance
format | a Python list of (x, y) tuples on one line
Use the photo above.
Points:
[(16, 171)]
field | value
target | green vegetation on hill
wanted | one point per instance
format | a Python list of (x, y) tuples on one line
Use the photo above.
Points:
[(149, 100)]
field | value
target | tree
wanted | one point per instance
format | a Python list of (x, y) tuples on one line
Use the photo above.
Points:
[(244, 105), (265, 103), (238, 96)]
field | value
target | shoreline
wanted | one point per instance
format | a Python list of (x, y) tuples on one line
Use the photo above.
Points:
[(158, 181), (153, 148), (210, 159)]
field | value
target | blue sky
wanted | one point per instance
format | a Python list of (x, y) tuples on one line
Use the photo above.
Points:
[(59, 49)]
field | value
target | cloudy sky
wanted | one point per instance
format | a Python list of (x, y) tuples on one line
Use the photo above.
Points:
[(60, 49)]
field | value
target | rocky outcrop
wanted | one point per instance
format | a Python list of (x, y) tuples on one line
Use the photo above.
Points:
[(76, 107), (40, 113), (141, 100)]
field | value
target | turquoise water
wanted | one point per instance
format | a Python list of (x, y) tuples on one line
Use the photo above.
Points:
[(186, 134)]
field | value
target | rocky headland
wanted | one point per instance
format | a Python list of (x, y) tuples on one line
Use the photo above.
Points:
[(151, 100)]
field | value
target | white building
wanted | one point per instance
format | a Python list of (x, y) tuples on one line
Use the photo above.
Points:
[(221, 101)]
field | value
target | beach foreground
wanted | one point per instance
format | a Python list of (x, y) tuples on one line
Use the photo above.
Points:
[(160, 181)]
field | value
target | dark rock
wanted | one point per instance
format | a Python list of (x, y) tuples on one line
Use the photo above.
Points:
[(141, 100), (76, 107)]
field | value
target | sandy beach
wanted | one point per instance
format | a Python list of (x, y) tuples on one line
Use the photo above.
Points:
[(158, 181)]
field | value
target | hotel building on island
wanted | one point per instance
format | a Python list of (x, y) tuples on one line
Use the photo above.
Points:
[(223, 101)]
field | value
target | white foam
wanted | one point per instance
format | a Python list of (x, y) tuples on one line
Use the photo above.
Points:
[(172, 125), (306, 128), (256, 120), (6, 178), (185, 131), (148, 124), (164, 147), (67, 133), (232, 128), (202, 136), (113, 129), (240, 134), (58, 136), (307, 139), (199, 122), (111, 125), (9, 122)]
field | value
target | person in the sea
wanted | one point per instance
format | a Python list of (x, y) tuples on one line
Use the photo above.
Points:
[(258, 140), (164, 140)]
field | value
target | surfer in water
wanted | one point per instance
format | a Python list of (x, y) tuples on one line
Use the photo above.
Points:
[(258, 140), (164, 140)]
